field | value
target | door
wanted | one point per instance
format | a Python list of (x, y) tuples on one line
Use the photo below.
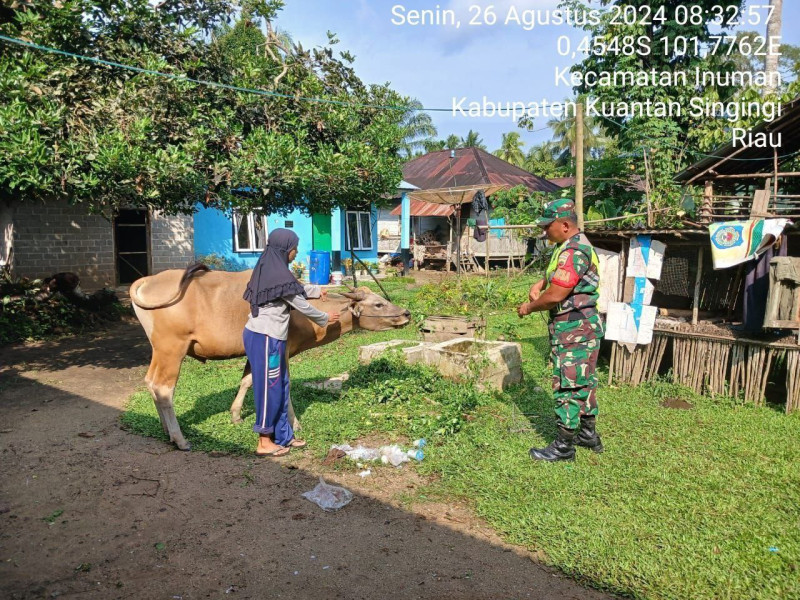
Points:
[(321, 225), (131, 245)]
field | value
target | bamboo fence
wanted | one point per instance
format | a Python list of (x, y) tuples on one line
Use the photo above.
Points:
[(710, 366)]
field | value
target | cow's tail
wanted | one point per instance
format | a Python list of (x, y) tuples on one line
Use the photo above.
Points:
[(188, 273)]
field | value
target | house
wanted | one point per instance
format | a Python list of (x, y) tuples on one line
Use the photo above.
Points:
[(41, 239), (723, 330), (437, 227), (239, 239)]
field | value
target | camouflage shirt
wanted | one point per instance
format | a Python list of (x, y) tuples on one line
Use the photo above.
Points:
[(574, 265)]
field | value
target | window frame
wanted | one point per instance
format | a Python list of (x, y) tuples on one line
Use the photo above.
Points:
[(359, 222), (251, 231)]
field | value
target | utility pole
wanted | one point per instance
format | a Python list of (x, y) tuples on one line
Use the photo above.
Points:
[(579, 162)]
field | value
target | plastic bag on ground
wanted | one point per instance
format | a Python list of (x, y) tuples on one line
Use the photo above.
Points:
[(329, 497), (359, 452), (393, 455)]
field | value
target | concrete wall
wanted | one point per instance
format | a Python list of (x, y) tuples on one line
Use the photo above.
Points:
[(54, 237), (171, 242)]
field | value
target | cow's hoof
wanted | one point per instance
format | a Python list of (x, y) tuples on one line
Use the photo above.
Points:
[(184, 445)]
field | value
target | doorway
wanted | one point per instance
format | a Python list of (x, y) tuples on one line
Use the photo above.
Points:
[(131, 244), (321, 232)]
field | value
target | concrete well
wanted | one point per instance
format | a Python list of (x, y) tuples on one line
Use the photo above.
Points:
[(411, 349), (499, 363)]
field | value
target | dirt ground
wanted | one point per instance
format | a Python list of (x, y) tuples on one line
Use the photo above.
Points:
[(88, 510)]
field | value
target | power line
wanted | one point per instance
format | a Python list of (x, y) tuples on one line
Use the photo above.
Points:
[(185, 79)]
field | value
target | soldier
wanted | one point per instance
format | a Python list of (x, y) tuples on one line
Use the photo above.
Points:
[(569, 291)]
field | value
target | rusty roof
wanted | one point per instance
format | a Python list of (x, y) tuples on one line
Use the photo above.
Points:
[(471, 166), (420, 208)]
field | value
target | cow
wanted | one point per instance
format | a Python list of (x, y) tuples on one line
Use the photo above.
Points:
[(200, 313)]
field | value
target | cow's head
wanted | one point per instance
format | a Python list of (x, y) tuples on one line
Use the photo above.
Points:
[(374, 312)]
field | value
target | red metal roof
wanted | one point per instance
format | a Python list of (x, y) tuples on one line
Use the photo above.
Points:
[(470, 166), (426, 209)]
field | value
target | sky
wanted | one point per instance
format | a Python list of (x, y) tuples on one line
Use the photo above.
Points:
[(437, 63)]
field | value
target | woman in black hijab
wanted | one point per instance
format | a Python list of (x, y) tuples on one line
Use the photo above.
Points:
[(272, 290)]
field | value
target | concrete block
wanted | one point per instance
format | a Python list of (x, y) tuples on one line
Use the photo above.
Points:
[(412, 350), (498, 364)]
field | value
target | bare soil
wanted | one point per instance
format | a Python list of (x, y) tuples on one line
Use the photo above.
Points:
[(89, 510)]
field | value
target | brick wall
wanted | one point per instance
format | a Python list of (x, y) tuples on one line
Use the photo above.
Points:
[(171, 241), (54, 237)]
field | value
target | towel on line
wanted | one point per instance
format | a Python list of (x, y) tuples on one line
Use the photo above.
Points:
[(735, 242)]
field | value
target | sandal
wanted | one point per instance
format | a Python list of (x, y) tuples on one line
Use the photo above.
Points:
[(295, 443), (279, 451)]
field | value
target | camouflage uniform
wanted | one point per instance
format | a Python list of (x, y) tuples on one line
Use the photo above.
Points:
[(575, 330)]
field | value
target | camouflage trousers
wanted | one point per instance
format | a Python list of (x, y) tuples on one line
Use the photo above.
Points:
[(575, 381)]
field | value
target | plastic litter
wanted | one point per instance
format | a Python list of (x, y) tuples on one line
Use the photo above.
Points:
[(416, 454), (420, 443), (359, 452), (389, 455), (366, 473), (393, 455), (329, 497)]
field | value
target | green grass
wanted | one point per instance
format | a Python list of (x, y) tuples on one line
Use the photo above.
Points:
[(699, 503)]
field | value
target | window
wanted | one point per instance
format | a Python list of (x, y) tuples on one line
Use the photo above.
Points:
[(359, 231), (249, 232)]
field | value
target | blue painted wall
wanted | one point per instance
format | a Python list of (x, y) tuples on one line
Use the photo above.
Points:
[(213, 234)]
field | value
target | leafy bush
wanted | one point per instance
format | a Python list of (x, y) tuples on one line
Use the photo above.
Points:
[(413, 400), (470, 295)]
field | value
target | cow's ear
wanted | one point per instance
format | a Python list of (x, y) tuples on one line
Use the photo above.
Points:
[(355, 308)]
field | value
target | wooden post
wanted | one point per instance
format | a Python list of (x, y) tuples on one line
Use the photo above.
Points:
[(579, 163), (775, 182), (696, 303), (488, 253), (458, 239), (706, 207), (647, 190)]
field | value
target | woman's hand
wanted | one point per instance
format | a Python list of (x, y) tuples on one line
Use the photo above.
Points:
[(333, 317)]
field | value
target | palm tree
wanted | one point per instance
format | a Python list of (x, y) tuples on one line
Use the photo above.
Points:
[(418, 129), (453, 142), (565, 133), (773, 31), (511, 149), (541, 160), (433, 145), (473, 140)]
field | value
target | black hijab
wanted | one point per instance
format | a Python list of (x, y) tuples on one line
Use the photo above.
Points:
[(271, 278)]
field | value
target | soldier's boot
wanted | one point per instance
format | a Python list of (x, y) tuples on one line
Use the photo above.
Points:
[(561, 448), (587, 436)]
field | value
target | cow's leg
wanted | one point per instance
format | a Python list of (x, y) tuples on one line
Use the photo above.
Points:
[(161, 380), (245, 384)]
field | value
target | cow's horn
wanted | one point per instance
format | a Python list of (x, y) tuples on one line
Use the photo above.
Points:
[(356, 295)]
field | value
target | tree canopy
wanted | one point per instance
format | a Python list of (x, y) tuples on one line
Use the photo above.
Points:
[(106, 137)]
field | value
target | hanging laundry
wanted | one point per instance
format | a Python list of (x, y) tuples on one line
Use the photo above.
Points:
[(736, 242), (480, 211)]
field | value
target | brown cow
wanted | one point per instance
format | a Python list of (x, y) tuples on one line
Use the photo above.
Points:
[(201, 313)]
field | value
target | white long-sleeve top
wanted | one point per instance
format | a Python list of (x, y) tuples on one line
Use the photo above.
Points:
[(273, 317)]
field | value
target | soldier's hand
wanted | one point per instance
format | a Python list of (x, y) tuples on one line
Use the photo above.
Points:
[(535, 292), (333, 317), (324, 295), (523, 309)]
